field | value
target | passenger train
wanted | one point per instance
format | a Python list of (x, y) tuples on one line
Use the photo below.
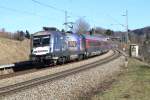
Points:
[(54, 46)]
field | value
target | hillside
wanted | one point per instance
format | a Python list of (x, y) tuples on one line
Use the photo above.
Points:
[(13, 51), (142, 31), (132, 84)]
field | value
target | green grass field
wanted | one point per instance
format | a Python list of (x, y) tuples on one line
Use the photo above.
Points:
[(133, 84)]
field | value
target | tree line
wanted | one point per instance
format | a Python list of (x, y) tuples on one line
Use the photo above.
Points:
[(19, 35)]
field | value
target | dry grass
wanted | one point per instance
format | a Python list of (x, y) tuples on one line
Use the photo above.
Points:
[(13, 51), (133, 84)]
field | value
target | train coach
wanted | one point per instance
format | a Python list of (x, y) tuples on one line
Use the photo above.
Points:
[(54, 46)]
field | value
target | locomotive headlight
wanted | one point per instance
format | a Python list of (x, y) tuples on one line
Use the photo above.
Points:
[(33, 58), (48, 57)]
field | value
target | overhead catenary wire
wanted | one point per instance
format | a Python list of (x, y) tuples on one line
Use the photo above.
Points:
[(46, 5), (52, 7), (18, 11), (23, 12), (116, 21), (57, 9), (66, 13)]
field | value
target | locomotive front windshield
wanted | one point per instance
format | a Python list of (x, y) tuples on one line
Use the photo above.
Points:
[(41, 41)]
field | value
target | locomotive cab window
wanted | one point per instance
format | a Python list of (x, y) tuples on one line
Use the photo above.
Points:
[(36, 42), (45, 41), (41, 41)]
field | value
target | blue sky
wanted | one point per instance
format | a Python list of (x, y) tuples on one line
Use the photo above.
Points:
[(26, 14)]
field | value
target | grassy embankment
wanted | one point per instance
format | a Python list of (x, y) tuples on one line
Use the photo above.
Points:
[(133, 84), (13, 51)]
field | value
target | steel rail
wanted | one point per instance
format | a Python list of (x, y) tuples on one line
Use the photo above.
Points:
[(37, 81), (34, 69)]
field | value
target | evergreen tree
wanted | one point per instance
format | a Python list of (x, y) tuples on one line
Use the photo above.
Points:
[(109, 32), (27, 35)]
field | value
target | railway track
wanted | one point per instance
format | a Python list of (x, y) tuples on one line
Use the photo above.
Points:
[(33, 69), (37, 81)]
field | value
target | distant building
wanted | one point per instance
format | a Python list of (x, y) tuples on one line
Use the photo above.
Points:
[(134, 50), (115, 38)]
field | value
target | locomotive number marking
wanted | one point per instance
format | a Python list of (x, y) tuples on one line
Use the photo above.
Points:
[(72, 43)]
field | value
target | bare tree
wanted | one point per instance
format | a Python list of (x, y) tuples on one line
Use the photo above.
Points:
[(81, 26), (19, 35)]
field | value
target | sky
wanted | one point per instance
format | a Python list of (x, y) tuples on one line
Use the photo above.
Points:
[(30, 15)]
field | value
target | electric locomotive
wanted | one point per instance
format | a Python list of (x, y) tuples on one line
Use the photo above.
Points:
[(54, 46)]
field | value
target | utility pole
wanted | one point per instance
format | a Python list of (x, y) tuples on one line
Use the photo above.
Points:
[(94, 29), (67, 23), (127, 33), (66, 16), (127, 25)]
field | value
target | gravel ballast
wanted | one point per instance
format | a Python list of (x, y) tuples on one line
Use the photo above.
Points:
[(71, 87), (29, 76)]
